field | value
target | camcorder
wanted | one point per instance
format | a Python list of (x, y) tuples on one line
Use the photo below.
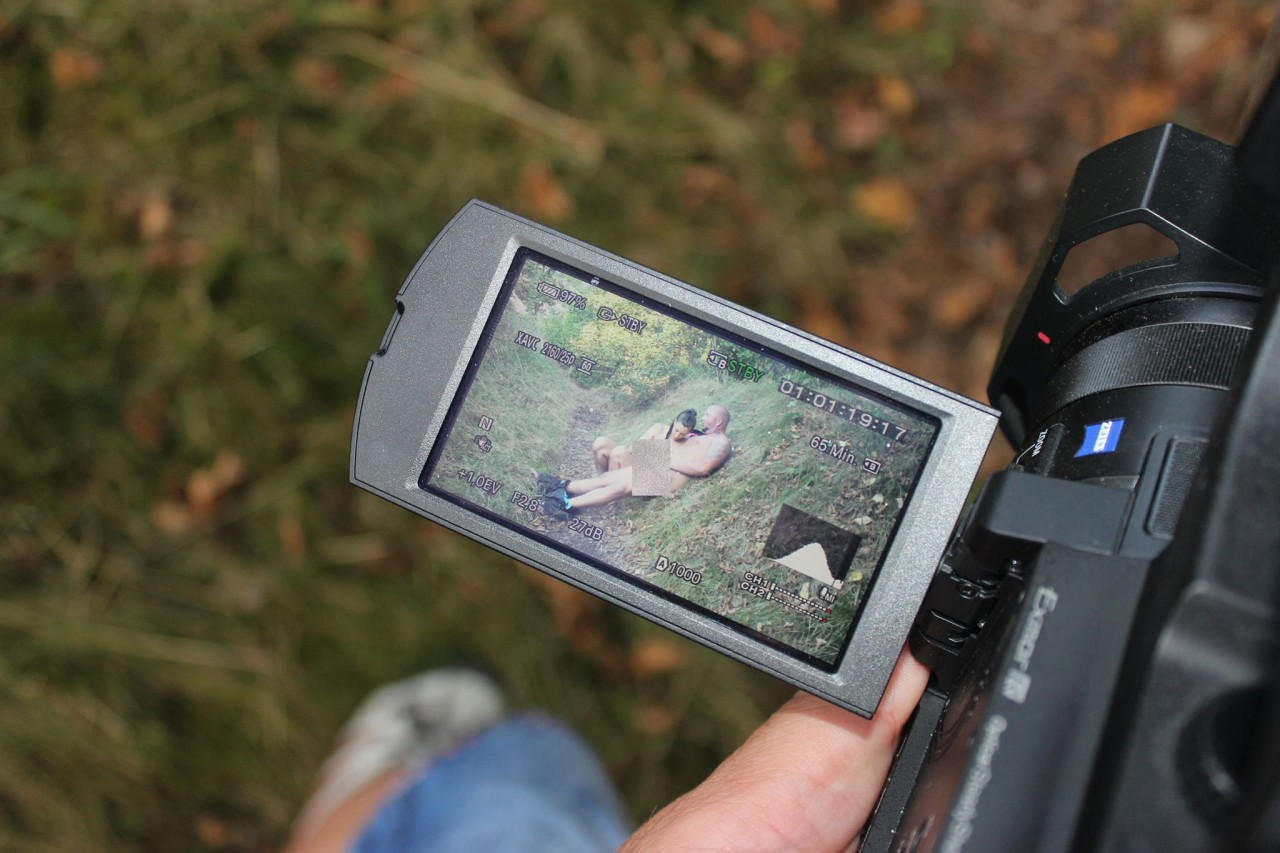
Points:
[(1100, 621)]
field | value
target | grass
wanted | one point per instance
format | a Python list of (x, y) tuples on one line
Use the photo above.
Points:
[(722, 523), (205, 211)]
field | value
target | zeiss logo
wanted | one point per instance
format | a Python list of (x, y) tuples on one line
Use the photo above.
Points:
[(1101, 438)]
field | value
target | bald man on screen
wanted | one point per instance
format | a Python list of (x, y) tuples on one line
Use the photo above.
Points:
[(691, 456)]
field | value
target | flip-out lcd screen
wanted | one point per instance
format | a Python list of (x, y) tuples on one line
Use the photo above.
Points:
[(670, 453)]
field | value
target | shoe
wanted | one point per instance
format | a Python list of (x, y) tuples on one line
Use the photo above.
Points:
[(548, 483), (556, 503), (405, 726)]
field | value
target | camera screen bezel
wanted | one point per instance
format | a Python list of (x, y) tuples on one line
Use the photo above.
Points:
[(443, 309)]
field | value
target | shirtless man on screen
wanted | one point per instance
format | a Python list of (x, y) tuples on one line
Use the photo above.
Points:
[(691, 456), (610, 456)]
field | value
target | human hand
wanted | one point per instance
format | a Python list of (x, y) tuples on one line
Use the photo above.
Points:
[(805, 780)]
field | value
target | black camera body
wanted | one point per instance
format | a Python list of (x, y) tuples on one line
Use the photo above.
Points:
[(1103, 629)]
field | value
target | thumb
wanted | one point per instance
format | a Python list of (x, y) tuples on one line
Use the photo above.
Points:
[(805, 780)]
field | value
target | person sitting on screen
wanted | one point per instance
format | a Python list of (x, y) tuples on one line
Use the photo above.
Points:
[(693, 456), (610, 456)]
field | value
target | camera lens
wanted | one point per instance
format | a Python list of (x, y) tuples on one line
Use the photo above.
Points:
[(1157, 369)]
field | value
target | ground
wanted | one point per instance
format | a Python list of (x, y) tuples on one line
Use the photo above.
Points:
[(206, 210)]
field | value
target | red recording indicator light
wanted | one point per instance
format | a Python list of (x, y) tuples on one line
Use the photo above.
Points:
[(1044, 339)]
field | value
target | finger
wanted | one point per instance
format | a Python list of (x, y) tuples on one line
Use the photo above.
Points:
[(807, 779)]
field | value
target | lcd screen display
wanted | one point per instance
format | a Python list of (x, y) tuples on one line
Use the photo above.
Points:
[(679, 456)]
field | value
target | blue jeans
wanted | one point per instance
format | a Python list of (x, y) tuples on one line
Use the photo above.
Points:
[(526, 784)]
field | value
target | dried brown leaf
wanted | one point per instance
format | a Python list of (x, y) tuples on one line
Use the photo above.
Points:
[(1185, 37), (656, 720), (768, 36), (73, 69), (392, 89), (1103, 43), (1138, 106), (725, 48), (887, 202), (542, 193), (172, 517), (429, 534), (293, 537), (819, 316), (176, 254), (155, 216), (900, 18), (319, 77), (799, 136), (359, 246), (207, 487), (826, 8), (702, 182), (658, 655), (957, 306), (858, 125), (896, 95), (213, 832)]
